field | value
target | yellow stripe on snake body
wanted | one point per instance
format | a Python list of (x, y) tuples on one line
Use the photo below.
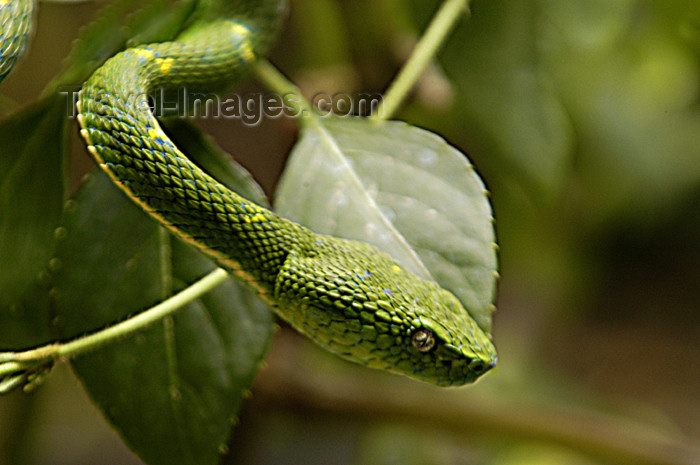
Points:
[(345, 295)]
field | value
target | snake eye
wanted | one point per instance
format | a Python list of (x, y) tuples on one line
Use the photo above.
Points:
[(423, 340)]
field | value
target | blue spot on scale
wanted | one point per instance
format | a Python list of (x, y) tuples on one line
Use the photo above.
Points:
[(367, 274), (388, 292), (319, 242)]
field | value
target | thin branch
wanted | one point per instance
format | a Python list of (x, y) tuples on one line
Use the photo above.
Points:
[(22, 368), (293, 380), (427, 47), (273, 78)]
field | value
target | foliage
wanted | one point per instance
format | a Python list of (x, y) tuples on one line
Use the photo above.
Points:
[(583, 118)]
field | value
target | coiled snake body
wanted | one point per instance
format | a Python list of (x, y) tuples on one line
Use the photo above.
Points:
[(16, 21), (345, 295)]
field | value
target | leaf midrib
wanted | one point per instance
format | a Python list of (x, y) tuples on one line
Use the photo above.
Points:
[(336, 152)]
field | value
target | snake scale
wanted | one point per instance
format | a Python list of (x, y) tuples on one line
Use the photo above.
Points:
[(16, 22), (345, 295)]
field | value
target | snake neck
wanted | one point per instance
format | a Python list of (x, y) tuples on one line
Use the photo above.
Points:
[(128, 143)]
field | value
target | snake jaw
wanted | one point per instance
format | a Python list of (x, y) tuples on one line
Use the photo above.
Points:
[(361, 305)]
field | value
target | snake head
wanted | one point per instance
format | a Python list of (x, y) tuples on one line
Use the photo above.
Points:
[(448, 357), (357, 302), (438, 342)]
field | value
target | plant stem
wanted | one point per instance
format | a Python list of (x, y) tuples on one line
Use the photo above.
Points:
[(64, 351), (440, 27), (165, 264), (269, 75), (293, 380), (142, 320)]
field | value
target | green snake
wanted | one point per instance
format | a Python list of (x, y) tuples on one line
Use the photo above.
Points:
[(345, 295)]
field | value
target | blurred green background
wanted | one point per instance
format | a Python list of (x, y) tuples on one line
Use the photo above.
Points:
[(583, 118)]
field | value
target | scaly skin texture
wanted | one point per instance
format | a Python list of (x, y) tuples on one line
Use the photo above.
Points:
[(345, 295), (15, 27)]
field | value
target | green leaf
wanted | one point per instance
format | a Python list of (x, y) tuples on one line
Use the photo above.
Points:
[(159, 21), (120, 23), (402, 189), (32, 145), (506, 107), (173, 390)]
